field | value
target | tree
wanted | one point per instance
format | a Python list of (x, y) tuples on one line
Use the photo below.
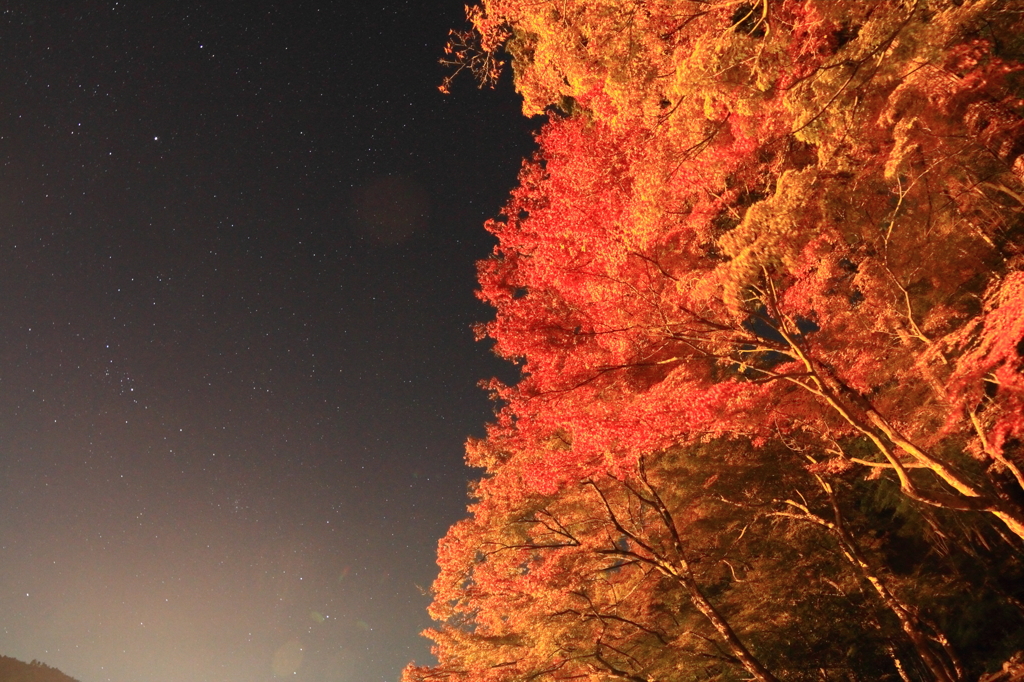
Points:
[(593, 582), (845, 268), (787, 230), (754, 571)]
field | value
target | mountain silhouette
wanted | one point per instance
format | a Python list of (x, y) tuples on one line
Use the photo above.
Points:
[(13, 670)]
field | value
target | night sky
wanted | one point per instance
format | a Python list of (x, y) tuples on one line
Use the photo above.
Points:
[(236, 366)]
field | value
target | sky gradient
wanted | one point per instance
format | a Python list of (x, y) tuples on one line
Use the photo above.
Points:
[(236, 366)]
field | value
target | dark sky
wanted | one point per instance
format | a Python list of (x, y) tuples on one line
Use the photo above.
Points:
[(236, 370)]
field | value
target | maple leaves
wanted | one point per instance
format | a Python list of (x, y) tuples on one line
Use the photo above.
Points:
[(672, 573), (663, 281), (474, 51), (792, 227)]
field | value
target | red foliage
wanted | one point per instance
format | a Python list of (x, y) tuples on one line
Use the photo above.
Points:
[(663, 283), (794, 223)]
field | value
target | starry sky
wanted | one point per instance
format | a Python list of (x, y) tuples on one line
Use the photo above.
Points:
[(237, 245)]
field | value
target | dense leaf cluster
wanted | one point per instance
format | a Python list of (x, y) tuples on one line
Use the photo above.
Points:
[(765, 282)]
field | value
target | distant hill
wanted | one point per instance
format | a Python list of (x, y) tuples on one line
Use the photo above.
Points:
[(13, 670)]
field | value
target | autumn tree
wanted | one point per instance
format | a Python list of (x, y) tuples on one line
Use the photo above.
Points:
[(809, 224), (753, 571), (594, 582), (791, 228)]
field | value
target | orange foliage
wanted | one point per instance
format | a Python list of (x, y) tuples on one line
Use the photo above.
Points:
[(795, 222), (777, 222)]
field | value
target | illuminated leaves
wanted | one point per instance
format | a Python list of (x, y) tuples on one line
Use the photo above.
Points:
[(474, 51), (791, 229), (791, 240)]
